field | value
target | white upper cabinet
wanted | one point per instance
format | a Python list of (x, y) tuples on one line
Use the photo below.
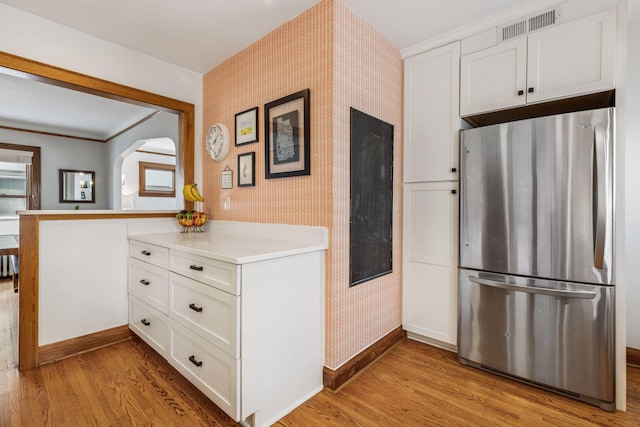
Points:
[(494, 79), (431, 90), (574, 58), (562, 61)]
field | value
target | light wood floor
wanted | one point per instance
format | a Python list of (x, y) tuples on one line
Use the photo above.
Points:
[(128, 384), (8, 324)]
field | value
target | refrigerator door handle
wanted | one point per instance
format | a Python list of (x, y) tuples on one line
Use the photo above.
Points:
[(533, 290), (600, 198)]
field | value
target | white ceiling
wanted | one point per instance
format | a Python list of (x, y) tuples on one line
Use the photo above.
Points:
[(31, 105), (200, 34)]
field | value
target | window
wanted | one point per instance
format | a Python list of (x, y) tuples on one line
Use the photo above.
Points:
[(157, 180), (13, 188)]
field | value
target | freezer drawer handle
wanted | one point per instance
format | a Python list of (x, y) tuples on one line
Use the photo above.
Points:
[(534, 290)]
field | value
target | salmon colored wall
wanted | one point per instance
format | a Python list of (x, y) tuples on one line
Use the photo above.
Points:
[(344, 63)]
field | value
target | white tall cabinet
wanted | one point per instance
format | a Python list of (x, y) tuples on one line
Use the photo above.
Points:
[(430, 211)]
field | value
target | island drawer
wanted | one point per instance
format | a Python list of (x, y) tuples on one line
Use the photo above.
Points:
[(220, 275), (156, 255), (149, 283), (209, 312), (149, 324)]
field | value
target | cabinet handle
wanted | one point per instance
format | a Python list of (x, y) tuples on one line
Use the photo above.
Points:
[(144, 282), (520, 92), (145, 322), (196, 267), (193, 360), (454, 191), (194, 307), (146, 253), (530, 90), (454, 170)]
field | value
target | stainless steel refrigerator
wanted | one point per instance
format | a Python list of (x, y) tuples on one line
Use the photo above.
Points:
[(536, 273)]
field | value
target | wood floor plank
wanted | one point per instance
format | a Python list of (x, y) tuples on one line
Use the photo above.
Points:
[(413, 384)]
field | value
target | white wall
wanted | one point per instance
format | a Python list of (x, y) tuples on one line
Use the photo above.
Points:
[(130, 170), (65, 153), (83, 274), (632, 179), (35, 38), (162, 125)]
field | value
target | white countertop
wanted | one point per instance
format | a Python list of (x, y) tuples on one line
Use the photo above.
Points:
[(239, 248), (92, 212)]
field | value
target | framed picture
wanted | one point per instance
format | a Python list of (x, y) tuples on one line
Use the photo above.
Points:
[(226, 180), (286, 136), (246, 169), (247, 126)]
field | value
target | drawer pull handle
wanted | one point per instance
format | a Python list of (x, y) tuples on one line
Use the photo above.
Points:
[(196, 267), (145, 322), (193, 360), (146, 253), (194, 307), (144, 282)]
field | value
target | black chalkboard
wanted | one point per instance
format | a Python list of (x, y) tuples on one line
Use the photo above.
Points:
[(371, 197)]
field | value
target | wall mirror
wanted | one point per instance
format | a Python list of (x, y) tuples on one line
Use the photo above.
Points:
[(77, 186)]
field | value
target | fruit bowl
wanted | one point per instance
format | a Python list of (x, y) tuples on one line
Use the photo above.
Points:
[(191, 221)]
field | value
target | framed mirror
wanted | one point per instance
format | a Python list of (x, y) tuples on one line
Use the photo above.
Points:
[(77, 186), (157, 180)]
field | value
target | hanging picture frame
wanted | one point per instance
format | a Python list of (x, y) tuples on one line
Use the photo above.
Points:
[(246, 125), (226, 179), (286, 137), (246, 169)]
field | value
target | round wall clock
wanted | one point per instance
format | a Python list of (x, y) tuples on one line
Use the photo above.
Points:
[(217, 141)]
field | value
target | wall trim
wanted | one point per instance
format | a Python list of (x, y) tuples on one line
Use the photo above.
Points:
[(333, 379), (633, 357), (74, 346)]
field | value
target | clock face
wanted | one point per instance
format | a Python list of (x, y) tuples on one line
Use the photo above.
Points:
[(217, 141)]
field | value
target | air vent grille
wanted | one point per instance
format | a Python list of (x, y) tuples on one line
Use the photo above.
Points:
[(543, 20), (529, 24), (514, 30)]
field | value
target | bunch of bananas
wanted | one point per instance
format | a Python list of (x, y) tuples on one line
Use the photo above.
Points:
[(191, 193)]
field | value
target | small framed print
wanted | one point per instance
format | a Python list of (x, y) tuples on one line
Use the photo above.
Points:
[(247, 126), (226, 180), (246, 169), (286, 136)]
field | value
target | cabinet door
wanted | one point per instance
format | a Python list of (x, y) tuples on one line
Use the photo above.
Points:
[(430, 260), (573, 58), (431, 115), (494, 78)]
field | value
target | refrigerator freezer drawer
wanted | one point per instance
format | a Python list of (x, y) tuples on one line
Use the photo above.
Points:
[(554, 334)]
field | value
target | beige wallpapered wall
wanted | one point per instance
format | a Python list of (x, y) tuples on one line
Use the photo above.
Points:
[(344, 63)]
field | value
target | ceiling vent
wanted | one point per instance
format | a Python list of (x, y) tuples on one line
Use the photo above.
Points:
[(528, 25)]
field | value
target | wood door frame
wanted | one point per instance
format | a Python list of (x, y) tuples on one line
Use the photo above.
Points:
[(29, 240), (34, 185)]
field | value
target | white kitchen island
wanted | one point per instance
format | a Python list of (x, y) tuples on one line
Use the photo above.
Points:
[(238, 310)]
